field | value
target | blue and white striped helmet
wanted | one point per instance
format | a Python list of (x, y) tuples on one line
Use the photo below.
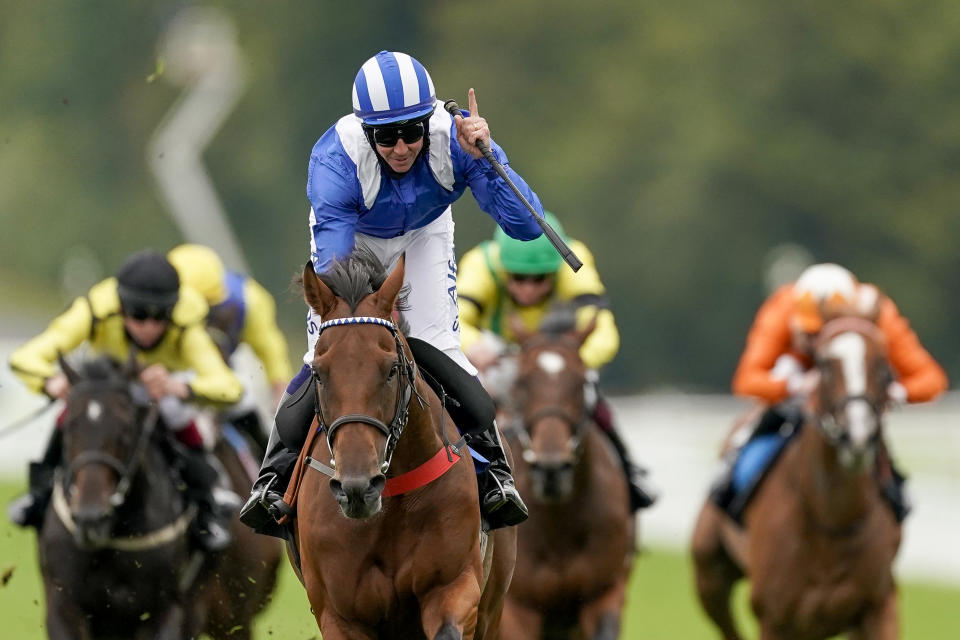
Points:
[(391, 86)]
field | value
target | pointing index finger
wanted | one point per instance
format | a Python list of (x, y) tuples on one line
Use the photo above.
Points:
[(472, 101)]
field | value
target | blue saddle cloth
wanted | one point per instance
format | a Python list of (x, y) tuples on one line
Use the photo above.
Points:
[(755, 459)]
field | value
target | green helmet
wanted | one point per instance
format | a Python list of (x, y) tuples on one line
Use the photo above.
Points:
[(530, 256)]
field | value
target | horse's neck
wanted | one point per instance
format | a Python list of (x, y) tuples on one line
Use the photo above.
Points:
[(422, 434), (153, 500), (836, 498)]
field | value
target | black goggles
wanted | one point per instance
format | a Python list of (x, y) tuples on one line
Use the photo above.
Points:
[(147, 312), (388, 136), (528, 277)]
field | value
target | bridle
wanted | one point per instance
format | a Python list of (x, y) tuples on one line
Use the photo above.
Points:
[(579, 425), (125, 470), (827, 420), (405, 390)]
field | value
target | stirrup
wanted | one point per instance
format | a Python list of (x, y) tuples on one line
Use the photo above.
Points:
[(502, 506)]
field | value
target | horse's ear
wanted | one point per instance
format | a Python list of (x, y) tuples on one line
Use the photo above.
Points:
[(317, 295), (72, 376), (386, 295), (581, 335), (520, 332)]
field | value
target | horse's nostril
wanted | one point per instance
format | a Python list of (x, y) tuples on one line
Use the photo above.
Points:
[(377, 483), (336, 487)]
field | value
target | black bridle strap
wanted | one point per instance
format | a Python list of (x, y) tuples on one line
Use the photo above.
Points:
[(124, 472), (405, 390)]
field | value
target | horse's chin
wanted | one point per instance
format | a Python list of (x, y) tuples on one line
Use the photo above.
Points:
[(552, 486), (857, 460), (92, 538), (360, 510)]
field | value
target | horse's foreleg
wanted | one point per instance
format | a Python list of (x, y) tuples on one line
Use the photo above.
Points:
[(880, 624), (333, 627), (600, 618), (64, 620), (450, 612), (715, 571)]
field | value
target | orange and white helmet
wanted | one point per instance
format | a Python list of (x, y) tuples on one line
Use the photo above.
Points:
[(823, 291)]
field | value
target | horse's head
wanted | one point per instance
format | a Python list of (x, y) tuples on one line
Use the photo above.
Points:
[(550, 396), (851, 358), (363, 373), (103, 439)]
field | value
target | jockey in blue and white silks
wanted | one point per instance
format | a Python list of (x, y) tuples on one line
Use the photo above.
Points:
[(385, 177), (355, 196)]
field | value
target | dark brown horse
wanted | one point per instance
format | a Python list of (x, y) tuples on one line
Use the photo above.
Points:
[(575, 553), (818, 540), (114, 549), (407, 566)]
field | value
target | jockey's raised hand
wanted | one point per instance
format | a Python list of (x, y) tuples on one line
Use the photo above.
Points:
[(472, 128)]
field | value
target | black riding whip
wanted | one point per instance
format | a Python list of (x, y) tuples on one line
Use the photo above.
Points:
[(562, 248)]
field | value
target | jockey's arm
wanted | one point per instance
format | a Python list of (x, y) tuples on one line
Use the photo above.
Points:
[(261, 332), (214, 381), (35, 361), (768, 339), (586, 291), (916, 369), (494, 195), (334, 197)]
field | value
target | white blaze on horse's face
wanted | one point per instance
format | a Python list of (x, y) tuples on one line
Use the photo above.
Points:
[(851, 350), (551, 362), (94, 411)]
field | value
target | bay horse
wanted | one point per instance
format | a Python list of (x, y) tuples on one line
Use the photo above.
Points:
[(378, 564), (818, 539), (575, 552), (114, 548)]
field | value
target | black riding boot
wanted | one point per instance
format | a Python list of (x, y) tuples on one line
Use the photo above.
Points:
[(290, 429), (643, 493), (474, 412), (28, 510), (211, 527), (893, 484), (500, 502), (249, 424)]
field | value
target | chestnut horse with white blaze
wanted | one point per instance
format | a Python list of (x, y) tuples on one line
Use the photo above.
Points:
[(575, 553), (818, 540), (378, 564)]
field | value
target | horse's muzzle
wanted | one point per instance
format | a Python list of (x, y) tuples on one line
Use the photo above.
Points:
[(93, 527), (359, 496), (552, 481)]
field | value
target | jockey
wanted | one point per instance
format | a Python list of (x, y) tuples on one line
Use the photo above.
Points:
[(775, 366), (503, 278), (385, 176), (241, 311), (143, 308)]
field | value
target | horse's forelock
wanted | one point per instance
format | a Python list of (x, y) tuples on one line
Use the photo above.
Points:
[(359, 275), (101, 369)]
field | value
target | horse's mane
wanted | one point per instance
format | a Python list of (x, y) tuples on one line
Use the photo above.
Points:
[(357, 276), (561, 318), (101, 368)]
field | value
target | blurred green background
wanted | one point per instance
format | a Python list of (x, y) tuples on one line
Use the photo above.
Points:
[(682, 141), (689, 144)]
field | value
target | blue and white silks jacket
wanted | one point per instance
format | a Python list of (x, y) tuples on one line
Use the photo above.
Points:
[(349, 191)]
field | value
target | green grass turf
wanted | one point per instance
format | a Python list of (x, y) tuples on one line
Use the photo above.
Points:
[(661, 604)]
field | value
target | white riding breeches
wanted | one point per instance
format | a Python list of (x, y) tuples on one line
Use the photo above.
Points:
[(430, 271)]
